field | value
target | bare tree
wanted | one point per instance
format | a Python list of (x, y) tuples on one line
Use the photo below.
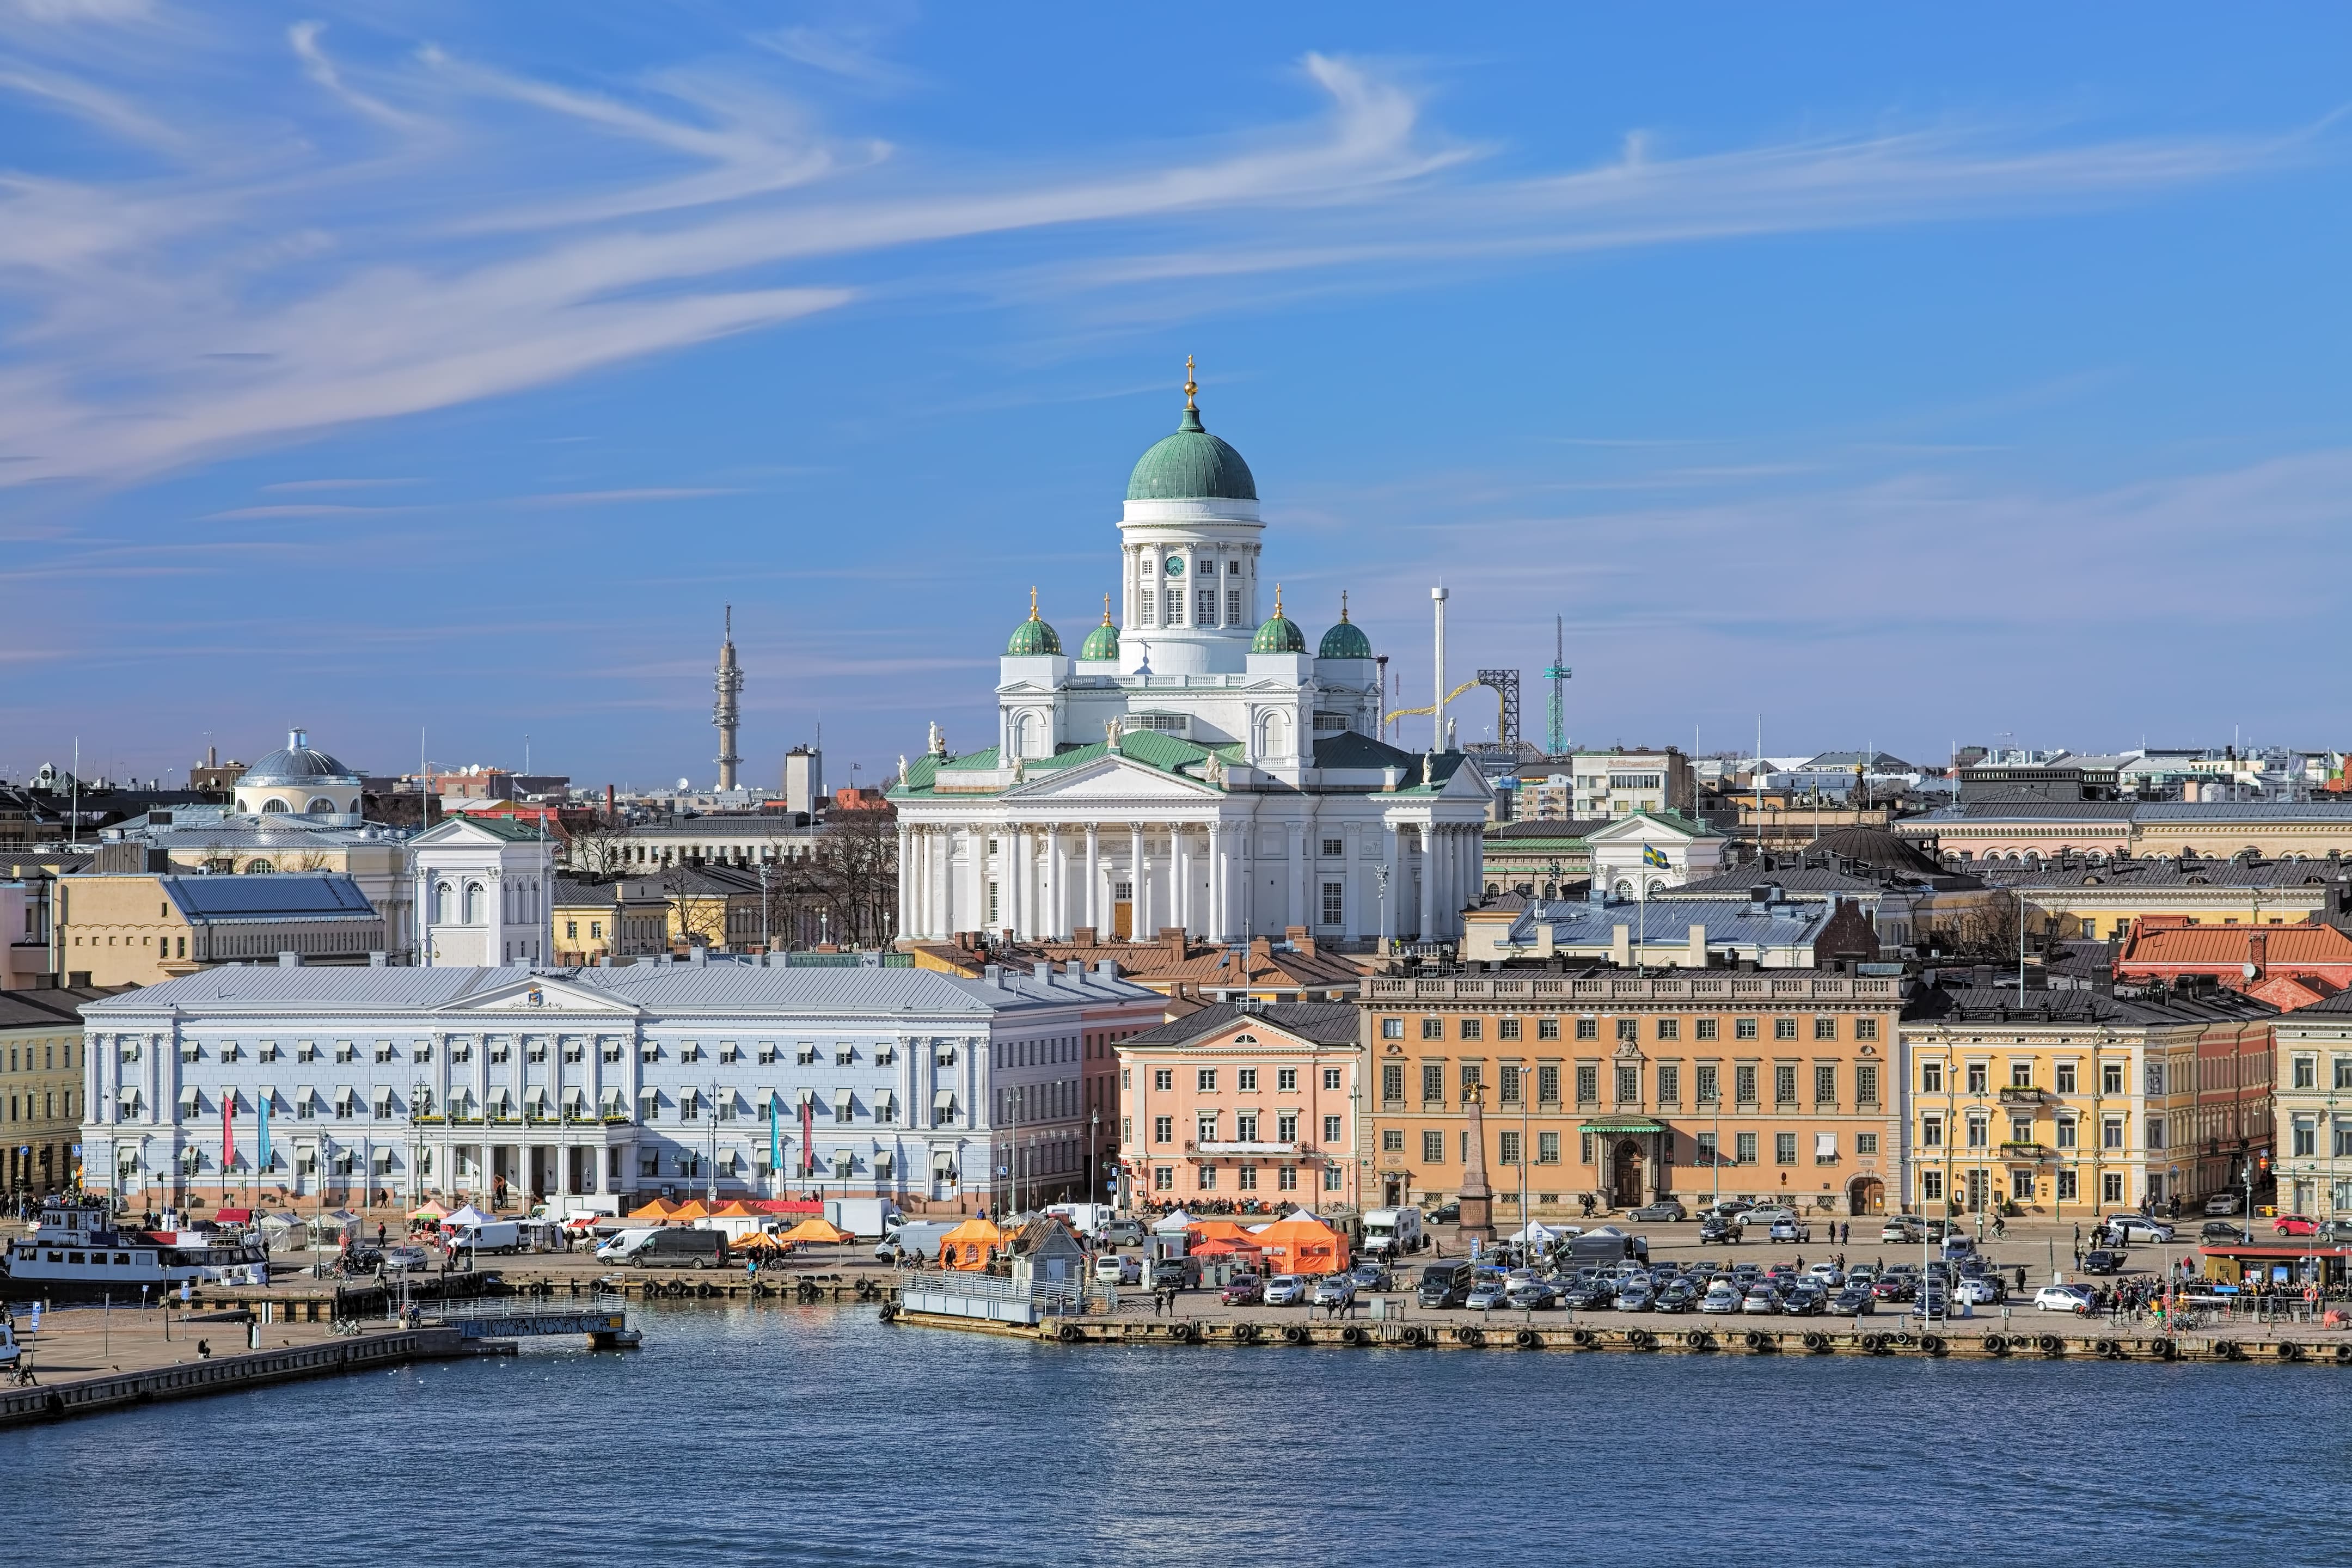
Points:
[(846, 871), (1984, 932), (595, 843), (699, 910)]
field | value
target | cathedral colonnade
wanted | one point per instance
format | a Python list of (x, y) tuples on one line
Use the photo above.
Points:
[(1132, 877)]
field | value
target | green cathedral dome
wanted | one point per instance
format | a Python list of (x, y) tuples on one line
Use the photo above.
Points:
[(1280, 634), (1102, 643), (1346, 640), (1033, 637), (1190, 465)]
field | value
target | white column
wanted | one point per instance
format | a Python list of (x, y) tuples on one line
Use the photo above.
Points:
[(1428, 881), (906, 880), (1214, 919), (1058, 899), (1138, 903), (943, 844), (1094, 881), (1180, 876), (1017, 883)]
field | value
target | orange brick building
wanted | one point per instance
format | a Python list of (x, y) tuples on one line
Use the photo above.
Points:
[(1777, 1084), (2289, 966)]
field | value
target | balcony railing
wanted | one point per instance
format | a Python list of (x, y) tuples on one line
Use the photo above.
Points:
[(2020, 1094), (1238, 1146), (2022, 1149)]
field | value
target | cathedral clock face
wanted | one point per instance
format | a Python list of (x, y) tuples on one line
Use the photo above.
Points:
[(1175, 566)]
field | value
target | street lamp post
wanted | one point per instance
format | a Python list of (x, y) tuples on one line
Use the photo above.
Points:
[(1380, 874), (1094, 1157)]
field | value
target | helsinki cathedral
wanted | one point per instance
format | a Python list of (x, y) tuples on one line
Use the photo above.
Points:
[(1199, 763)]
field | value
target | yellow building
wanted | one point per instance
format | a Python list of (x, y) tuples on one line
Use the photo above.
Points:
[(2100, 901), (142, 928), (597, 921), (41, 1090), (2081, 1103)]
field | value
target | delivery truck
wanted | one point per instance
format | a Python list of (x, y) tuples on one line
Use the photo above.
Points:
[(867, 1218)]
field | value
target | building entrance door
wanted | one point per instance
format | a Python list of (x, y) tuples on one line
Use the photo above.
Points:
[(1391, 1191), (1979, 1189), (1122, 911), (1865, 1196), (1627, 1174)]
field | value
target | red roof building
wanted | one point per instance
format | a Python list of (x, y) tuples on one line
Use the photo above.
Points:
[(2289, 966)]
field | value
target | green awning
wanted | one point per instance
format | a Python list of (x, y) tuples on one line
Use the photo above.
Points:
[(1638, 1124)]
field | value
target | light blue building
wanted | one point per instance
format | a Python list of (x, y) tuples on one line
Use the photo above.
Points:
[(600, 1088)]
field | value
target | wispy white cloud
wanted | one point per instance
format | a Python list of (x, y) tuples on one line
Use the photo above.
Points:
[(421, 241)]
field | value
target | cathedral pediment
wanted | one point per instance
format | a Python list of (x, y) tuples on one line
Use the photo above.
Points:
[(1113, 779)]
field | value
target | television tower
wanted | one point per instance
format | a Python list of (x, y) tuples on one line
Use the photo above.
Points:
[(1556, 706), (726, 712)]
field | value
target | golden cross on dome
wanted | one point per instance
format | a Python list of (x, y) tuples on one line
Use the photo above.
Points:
[(1033, 603), (1191, 386), (1277, 598), (1106, 609), (1343, 604)]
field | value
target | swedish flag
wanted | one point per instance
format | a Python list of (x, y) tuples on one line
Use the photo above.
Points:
[(1653, 856)]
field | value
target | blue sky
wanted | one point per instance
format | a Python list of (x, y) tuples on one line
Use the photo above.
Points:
[(1893, 377)]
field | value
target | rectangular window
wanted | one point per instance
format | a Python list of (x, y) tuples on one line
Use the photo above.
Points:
[(2066, 1134), (1546, 1028), (2156, 1131), (1979, 1132), (1743, 1084), (1931, 1186), (1392, 1080), (1286, 1080), (2306, 1073), (1708, 1150), (1508, 1147), (1433, 1148), (1473, 1075), (1670, 1086), (2021, 1075), (1978, 1077), (1931, 1078), (1474, 1029), (1232, 606), (1584, 1144), (2020, 1129), (1824, 1085), (1670, 1028), (1206, 1080), (1335, 903), (1392, 1140), (1784, 1028), (1163, 1130), (2064, 1078), (2344, 1072), (1393, 1028), (1784, 1148), (1931, 1133), (1865, 1142), (1507, 1030), (1743, 1146), (1588, 1028), (1629, 1031), (1629, 1085), (2111, 1132), (2111, 1188), (1508, 1085), (2111, 1077), (1546, 1148), (2305, 1136), (1285, 1127), (1825, 1028), (1547, 1086), (1588, 1083), (1330, 1130), (1866, 1028), (1164, 1077), (1330, 1081), (1711, 1085), (1433, 1083), (1784, 1085), (1244, 1080), (1144, 602), (1204, 1127), (1247, 1180), (1865, 1083), (1708, 1029), (1207, 607), (1743, 1028), (1433, 1029), (2069, 1185)]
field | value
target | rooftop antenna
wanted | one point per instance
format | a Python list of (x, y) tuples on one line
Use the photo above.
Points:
[(1556, 706), (727, 711)]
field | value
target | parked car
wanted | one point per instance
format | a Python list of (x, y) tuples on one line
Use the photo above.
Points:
[(1286, 1290), (2062, 1299), (1122, 1233), (1766, 1214), (1119, 1268), (1726, 1208), (1790, 1230), (1853, 1302), (1372, 1276), (1897, 1287), (2133, 1226), (2295, 1225), (1665, 1209), (1588, 1296), (1722, 1296), (1901, 1227), (1486, 1296), (1981, 1290), (1636, 1294), (1762, 1301), (1680, 1295), (1242, 1290), (1446, 1284), (2228, 1230), (406, 1258), (1333, 1290), (2222, 1203), (1447, 1214), (2339, 1230), (1529, 1296), (1806, 1301), (1716, 1228)]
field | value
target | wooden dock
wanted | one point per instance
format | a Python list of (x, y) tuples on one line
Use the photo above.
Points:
[(196, 1375)]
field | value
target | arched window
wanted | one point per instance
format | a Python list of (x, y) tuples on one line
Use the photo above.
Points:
[(1273, 736), (473, 903), (269, 805), (255, 868), (441, 904), (321, 807), (1029, 736)]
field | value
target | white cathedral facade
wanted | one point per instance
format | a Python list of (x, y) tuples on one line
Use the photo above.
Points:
[(1194, 767)]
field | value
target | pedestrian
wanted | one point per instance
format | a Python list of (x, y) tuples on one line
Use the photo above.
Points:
[(2021, 1276)]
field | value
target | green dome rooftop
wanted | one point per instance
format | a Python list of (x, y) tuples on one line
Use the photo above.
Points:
[(1102, 643), (1280, 634), (1190, 465), (1346, 640), (1033, 637)]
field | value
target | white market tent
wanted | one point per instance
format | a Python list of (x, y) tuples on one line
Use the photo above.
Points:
[(1178, 1220), (468, 1215)]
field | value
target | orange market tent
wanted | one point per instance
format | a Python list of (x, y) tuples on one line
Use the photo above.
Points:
[(690, 1210), (968, 1246), (431, 1210), (1221, 1247), (738, 1209), (1222, 1230), (816, 1230), (759, 1241), (659, 1209), (1303, 1246)]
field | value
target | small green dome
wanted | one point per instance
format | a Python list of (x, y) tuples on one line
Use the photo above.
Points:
[(1102, 643), (1346, 640), (1190, 465), (1280, 634), (1033, 637)]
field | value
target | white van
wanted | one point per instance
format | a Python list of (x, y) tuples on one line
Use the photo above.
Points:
[(622, 1245), (1393, 1232), (1119, 1268)]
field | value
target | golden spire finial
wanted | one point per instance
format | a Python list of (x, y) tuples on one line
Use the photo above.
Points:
[(1278, 600), (1106, 609), (1343, 605), (1191, 386), (1032, 603)]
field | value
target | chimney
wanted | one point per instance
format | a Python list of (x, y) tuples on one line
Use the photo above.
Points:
[(1107, 969), (1082, 936), (992, 973), (1043, 971), (2258, 946), (1172, 938), (1697, 957), (1621, 946), (375, 958), (289, 960)]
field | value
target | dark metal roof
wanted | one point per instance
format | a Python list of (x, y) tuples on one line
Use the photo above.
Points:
[(1326, 1023), (276, 897)]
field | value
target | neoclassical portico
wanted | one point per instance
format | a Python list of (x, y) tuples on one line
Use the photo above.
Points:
[(1199, 769)]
